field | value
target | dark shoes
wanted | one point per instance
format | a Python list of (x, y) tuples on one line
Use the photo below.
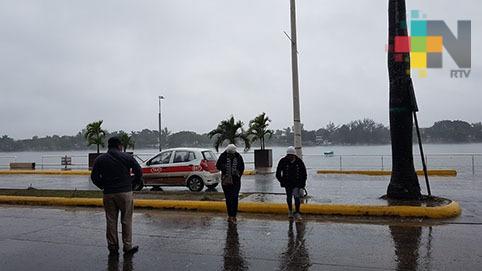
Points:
[(131, 251), (232, 219)]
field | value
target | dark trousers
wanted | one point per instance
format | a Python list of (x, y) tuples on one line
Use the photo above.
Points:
[(231, 193), (293, 192), (113, 205)]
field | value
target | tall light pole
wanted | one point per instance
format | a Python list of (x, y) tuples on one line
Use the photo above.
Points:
[(294, 77), (160, 127)]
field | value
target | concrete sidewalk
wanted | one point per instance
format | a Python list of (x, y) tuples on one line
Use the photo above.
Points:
[(44, 238)]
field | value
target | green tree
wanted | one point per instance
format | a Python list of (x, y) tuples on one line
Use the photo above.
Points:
[(231, 131), (126, 141), (95, 135), (258, 130), (165, 137), (188, 139)]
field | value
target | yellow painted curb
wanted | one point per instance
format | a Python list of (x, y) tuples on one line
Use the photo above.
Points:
[(434, 172), (451, 210), (249, 172), (44, 172)]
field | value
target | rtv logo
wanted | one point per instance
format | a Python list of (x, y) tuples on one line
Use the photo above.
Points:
[(427, 40)]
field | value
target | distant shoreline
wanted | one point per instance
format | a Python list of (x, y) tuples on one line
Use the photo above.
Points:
[(250, 150)]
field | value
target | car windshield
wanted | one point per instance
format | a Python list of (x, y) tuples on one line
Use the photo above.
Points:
[(209, 155)]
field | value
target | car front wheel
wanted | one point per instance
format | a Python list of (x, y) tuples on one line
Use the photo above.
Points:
[(195, 184)]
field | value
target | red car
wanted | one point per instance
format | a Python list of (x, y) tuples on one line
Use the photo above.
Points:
[(191, 167)]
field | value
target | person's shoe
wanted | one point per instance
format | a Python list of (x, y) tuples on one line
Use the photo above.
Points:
[(290, 214), (131, 251), (232, 219), (297, 216)]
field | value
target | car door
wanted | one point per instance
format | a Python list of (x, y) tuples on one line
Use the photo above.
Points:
[(182, 166), (156, 172)]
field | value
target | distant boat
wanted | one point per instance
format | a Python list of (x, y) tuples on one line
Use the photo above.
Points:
[(329, 153)]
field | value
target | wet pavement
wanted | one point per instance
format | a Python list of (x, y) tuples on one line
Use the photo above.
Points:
[(41, 238), (324, 189)]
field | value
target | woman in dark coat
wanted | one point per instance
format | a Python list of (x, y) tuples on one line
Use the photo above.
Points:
[(291, 173), (231, 165)]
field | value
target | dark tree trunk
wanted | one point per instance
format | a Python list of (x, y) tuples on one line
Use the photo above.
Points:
[(404, 182)]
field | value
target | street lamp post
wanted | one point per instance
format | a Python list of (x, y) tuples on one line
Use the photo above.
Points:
[(296, 91), (160, 127)]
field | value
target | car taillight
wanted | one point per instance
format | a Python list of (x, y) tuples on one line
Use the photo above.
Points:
[(204, 165)]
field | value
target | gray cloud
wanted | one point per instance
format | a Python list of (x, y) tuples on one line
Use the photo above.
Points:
[(67, 63)]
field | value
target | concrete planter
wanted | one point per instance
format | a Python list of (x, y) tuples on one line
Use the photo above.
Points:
[(263, 161)]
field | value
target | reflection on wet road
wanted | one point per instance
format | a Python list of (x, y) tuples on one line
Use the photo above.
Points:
[(233, 256), (113, 263), (296, 256), (406, 241), (74, 239)]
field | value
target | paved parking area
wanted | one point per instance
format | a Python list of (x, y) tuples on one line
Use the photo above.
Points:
[(41, 238)]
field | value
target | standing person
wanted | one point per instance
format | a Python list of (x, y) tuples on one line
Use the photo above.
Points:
[(112, 174), (291, 173), (231, 165)]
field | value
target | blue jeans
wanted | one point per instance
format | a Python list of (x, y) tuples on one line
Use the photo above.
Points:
[(231, 193), (293, 192)]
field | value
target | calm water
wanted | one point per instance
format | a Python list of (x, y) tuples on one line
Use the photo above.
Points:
[(439, 156)]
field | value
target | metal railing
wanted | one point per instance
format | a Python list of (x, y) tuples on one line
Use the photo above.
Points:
[(76, 161), (462, 162), (9, 159)]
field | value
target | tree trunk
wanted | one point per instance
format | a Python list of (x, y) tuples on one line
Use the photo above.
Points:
[(98, 148), (404, 182)]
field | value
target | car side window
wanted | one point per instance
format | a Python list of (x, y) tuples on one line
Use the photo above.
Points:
[(180, 157), (184, 156), (162, 158), (191, 156)]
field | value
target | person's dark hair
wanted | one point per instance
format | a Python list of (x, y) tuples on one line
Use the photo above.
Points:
[(113, 142)]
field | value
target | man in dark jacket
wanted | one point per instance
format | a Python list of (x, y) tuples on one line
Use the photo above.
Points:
[(291, 173), (112, 174), (231, 165)]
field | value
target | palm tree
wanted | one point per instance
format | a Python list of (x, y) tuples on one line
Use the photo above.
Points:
[(95, 135), (126, 140), (258, 129), (231, 131), (404, 182), (165, 134)]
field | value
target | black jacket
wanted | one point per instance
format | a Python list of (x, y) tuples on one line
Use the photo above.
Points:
[(112, 172), (291, 174), (235, 160)]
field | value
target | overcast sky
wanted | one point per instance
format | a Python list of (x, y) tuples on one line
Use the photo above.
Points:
[(64, 64)]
